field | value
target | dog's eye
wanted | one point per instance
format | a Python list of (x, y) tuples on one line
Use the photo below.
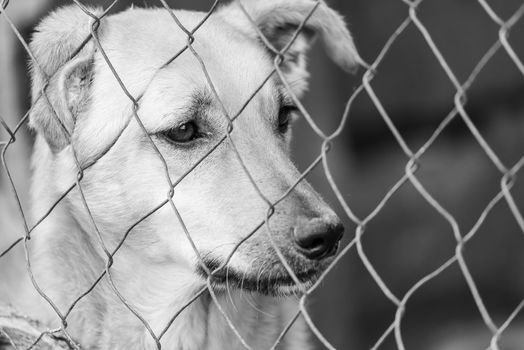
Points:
[(183, 133), (284, 117)]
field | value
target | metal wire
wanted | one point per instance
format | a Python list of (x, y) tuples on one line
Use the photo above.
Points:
[(414, 161)]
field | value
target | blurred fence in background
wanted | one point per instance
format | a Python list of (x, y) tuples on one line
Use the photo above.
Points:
[(426, 168)]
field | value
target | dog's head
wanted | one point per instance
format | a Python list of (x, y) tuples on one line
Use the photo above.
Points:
[(183, 119)]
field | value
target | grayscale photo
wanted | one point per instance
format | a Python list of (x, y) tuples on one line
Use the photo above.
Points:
[(261, 174)]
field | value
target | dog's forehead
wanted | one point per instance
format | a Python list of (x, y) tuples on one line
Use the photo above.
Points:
[(148, 38), (141, 41)]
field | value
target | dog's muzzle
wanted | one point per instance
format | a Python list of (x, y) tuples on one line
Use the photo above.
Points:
[(313, 241)]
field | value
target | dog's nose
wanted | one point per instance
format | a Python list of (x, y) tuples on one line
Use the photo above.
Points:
[(318, 238)]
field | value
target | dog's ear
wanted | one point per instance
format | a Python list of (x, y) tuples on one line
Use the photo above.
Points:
[(64, 69), (278, 21)]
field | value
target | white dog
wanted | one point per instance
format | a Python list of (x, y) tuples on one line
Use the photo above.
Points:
[(156, 269)]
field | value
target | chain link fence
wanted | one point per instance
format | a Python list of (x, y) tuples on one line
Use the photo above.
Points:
[(414, 160)]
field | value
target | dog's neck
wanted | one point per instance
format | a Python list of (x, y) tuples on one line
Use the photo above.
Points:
[(159, 292), (155, 291), (199, 324)]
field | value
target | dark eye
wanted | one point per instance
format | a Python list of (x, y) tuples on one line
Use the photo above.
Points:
[(284, 117), (183, 133)]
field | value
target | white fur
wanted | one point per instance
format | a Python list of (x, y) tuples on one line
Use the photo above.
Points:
[(155, 269)]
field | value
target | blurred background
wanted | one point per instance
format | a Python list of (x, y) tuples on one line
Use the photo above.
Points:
[(408, 239)]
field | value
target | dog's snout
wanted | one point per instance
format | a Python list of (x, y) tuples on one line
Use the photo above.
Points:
[(318, 238)]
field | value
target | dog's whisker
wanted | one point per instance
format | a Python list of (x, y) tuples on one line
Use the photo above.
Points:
[(269, 277), (253, 304), (228, 289), (295, 294), (260, 271), (242, 284), (249, 299)]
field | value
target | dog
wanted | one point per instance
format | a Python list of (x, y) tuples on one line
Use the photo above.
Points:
[(86, 121)]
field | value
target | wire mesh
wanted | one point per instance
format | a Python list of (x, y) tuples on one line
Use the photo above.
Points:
[(414, 161)]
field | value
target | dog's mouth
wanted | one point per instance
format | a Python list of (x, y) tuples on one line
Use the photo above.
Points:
[(275, 282)]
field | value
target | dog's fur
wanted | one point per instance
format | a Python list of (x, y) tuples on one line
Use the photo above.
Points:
[(156, 270)]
